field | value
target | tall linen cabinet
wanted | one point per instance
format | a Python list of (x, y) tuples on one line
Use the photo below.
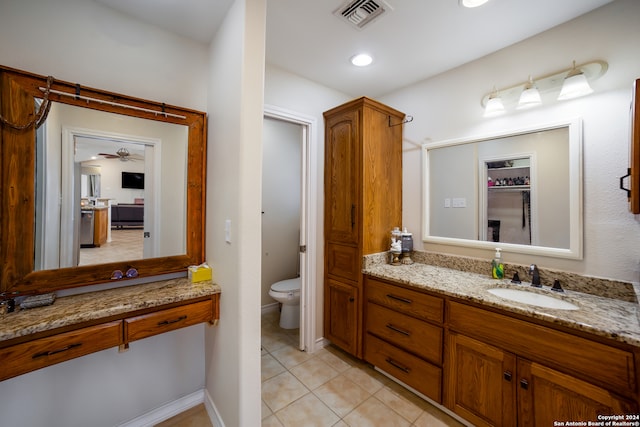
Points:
[(363, 202)]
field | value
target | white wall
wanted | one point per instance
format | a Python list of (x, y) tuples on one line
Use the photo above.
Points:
[(236, 84), (281, 198), (83, 42), (448, 106)]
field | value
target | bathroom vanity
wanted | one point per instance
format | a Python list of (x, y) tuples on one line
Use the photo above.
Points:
[(40, 208), (78, 325), (497, 362)]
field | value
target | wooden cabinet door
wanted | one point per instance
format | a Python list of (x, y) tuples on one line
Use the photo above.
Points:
[(342, 177), (546, 395), (480, 385), (100, 225), (341, 315)]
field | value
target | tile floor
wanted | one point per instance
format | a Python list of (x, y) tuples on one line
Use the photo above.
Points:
[(125, 244), (327, 388), (330, 388)]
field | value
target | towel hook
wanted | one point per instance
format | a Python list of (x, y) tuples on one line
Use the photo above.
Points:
[(407, 120)]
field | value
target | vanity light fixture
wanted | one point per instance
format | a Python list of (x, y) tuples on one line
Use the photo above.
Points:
[(494, 106), (472, 3), (560, 85), (530, 97), (361, 60), (574, 85)]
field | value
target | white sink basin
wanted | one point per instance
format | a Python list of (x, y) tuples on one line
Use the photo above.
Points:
[(533, 298)]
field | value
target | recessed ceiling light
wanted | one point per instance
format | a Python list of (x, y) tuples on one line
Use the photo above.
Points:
[(472, 3), (361, 60)]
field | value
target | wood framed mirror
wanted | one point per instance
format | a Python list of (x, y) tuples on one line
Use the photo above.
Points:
[(25, 98)]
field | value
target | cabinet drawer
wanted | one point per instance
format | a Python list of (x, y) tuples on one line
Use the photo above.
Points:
[(344, 261), (409, 302), (415, 336), (167, 320), (610, 367), (22, 358), (411, 370)]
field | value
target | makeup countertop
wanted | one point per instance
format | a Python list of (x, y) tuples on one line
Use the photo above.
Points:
[(606, 317), (70, 310)]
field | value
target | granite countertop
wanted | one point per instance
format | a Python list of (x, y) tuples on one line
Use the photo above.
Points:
[(602, 316), (89, 306)]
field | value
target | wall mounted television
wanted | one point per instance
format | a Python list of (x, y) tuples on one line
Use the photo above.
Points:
[(134, 180)]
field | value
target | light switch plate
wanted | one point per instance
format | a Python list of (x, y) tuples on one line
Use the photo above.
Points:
[(459, 202)]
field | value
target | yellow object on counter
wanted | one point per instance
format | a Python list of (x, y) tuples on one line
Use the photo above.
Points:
[(200, 273)]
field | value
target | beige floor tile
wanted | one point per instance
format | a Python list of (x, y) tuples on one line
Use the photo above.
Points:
[(308, 411), (399, 404), (340, 424), (314, 372), (342, 355), (194, 417), (125, 244), (332, 360), (271, 421), (281, 390), (366, 378), (341, 395), (265, 410), (374, 413), (291, 356), (270, 367), (433, 417), (273, 341)]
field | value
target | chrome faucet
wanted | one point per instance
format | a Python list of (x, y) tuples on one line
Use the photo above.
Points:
[(535, 276)]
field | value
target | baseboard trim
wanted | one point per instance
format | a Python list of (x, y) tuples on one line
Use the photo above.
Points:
[(212, 411), (269, 308), (176, 407), (320, 344)]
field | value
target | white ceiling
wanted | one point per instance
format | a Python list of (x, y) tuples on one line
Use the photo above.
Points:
[(416, 40), (87, 148)]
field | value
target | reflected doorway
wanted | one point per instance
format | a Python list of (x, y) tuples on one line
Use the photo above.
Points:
[(112, 200)]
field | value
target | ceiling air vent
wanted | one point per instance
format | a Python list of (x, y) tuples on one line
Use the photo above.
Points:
[(359, 13)]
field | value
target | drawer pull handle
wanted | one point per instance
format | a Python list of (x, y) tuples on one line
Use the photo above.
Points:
[(397, 298), (524, 384), (52, 352), (507, 376), (168, 322), (395, 364), (396, 329)]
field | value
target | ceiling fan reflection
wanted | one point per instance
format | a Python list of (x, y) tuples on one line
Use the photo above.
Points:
[(123, 155)]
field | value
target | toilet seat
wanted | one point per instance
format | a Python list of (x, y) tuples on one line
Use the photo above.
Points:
[(286, 286)]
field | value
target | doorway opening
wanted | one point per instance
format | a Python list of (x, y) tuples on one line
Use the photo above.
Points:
[(88, 154), (289, 212)]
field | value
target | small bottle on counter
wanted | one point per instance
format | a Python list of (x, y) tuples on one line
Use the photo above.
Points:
[(497, 266), (407, 246)]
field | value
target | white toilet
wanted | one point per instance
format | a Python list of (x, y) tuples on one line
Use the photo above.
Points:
[(287, 292)]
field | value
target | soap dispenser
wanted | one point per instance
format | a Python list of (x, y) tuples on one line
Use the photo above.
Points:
[(497, 266)]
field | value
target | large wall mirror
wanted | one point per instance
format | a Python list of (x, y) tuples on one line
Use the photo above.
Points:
[(517, 190), (107, 183)]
